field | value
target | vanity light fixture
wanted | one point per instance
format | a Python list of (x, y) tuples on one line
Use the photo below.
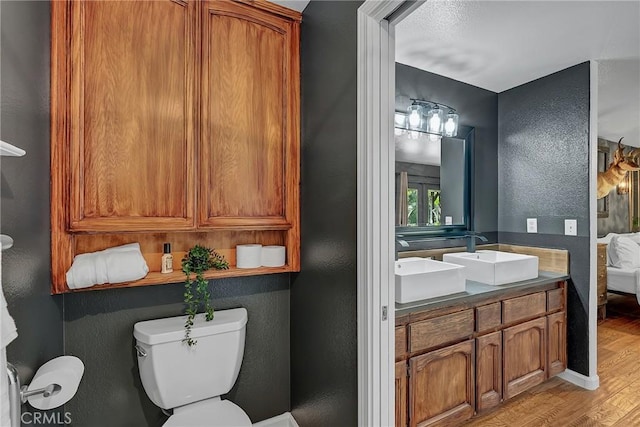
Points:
[(429, 117)]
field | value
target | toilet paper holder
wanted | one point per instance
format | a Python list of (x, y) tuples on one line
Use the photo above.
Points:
[(47, 391)]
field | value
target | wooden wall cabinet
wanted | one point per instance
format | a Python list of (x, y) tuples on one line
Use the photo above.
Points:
[(173, 116), (469, 358)]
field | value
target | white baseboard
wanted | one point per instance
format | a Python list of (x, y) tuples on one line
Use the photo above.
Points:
[(282, 420), (589, 383)]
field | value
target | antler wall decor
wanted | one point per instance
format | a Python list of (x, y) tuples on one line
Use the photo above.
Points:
[(622, 163)]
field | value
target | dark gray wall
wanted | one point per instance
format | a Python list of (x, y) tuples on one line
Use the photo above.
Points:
[(618, 219), (98, 326), (324, 389), (25, 186), (543, 155), (477, 108)]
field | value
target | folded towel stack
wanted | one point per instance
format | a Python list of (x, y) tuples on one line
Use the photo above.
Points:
[(114, 265)]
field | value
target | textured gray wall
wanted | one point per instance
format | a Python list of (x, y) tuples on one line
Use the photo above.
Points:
[(324, 387), (98, 326), (99, 330), (25, 186), (544, 172), (477, 108), (618, 219)]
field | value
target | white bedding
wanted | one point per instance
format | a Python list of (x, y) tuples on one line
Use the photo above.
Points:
[(621, 279)]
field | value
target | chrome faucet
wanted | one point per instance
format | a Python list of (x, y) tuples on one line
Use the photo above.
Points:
[(471, 241)]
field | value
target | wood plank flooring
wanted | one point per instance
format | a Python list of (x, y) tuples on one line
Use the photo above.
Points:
[(557, 403)]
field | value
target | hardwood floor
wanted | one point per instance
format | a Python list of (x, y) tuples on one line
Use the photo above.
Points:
[(557, 403)]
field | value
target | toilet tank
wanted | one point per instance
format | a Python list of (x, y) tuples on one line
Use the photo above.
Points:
[(174, 374)]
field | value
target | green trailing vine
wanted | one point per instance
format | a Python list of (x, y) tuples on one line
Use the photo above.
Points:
[(198, 260)]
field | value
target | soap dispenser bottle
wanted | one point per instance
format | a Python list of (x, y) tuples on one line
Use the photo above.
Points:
[(167, 259)]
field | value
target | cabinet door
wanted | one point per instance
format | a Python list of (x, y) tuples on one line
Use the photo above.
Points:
[(557, 328), (525, 356), (441, 386), (401, 394), (131, 115), (249, 124), (488, 371)]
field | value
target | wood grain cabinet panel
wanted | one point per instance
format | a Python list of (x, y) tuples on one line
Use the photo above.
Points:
[(525, 356), (248, 123), (132, 109), (555, 299), (523, 308), (488, 371), (488, 317), (441, 330), (441, 386), (401, 394), (557, 330), (401, 342)]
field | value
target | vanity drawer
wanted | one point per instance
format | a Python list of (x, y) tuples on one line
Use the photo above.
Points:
[(555, 299), (441, 330), (488, 317), (401, 342), (523, 308)]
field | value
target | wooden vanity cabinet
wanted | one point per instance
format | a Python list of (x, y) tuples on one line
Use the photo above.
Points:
[(173, 116), (525, 356), (469, 358), (488, 371), (441, 385)]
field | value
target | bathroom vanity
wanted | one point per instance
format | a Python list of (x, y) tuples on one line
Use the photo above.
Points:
[(465, 353)]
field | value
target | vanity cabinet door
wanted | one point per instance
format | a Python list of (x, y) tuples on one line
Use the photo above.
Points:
[(249, 152), (525, 356), (401, 394), (488, 371), (442, 386), (128, 132), (557, 328)]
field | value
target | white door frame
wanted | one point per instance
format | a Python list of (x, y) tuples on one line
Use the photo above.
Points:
[(376, 243)]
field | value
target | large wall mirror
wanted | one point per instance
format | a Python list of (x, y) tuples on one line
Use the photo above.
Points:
[(433, 181)]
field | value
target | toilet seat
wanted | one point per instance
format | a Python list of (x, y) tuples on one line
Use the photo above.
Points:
[(217, 413)]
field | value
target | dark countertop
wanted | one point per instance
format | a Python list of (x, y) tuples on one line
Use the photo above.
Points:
[(476, 291)]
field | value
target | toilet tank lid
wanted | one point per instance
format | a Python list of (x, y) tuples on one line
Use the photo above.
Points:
[(172, 328)]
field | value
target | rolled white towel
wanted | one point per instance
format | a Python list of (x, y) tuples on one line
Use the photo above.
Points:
[(113, 265)]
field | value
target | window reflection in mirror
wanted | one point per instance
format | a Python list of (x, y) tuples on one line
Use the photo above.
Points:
[(432, 173)]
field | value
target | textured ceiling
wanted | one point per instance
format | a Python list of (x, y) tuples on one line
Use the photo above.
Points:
[(497, 45)]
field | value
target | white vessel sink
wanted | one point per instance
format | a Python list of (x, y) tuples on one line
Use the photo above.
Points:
[(421, 278), (495, 268)]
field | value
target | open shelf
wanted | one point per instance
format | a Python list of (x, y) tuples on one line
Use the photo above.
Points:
[(157, 278), (7, 149)]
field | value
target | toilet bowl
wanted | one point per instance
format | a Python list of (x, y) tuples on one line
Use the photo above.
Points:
[(190, 380)]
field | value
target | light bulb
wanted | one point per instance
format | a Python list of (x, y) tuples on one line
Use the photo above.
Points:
[(449, 126), (400, 119), (434, 123), (414, 119)]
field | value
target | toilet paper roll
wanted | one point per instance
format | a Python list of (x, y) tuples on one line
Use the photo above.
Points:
[(65, 372), (273, 256), (248, 256)]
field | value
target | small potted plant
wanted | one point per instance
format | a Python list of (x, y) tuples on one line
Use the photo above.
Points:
[(198, 260)]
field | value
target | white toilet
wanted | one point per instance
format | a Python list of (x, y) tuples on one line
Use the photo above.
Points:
[(190, 380)]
